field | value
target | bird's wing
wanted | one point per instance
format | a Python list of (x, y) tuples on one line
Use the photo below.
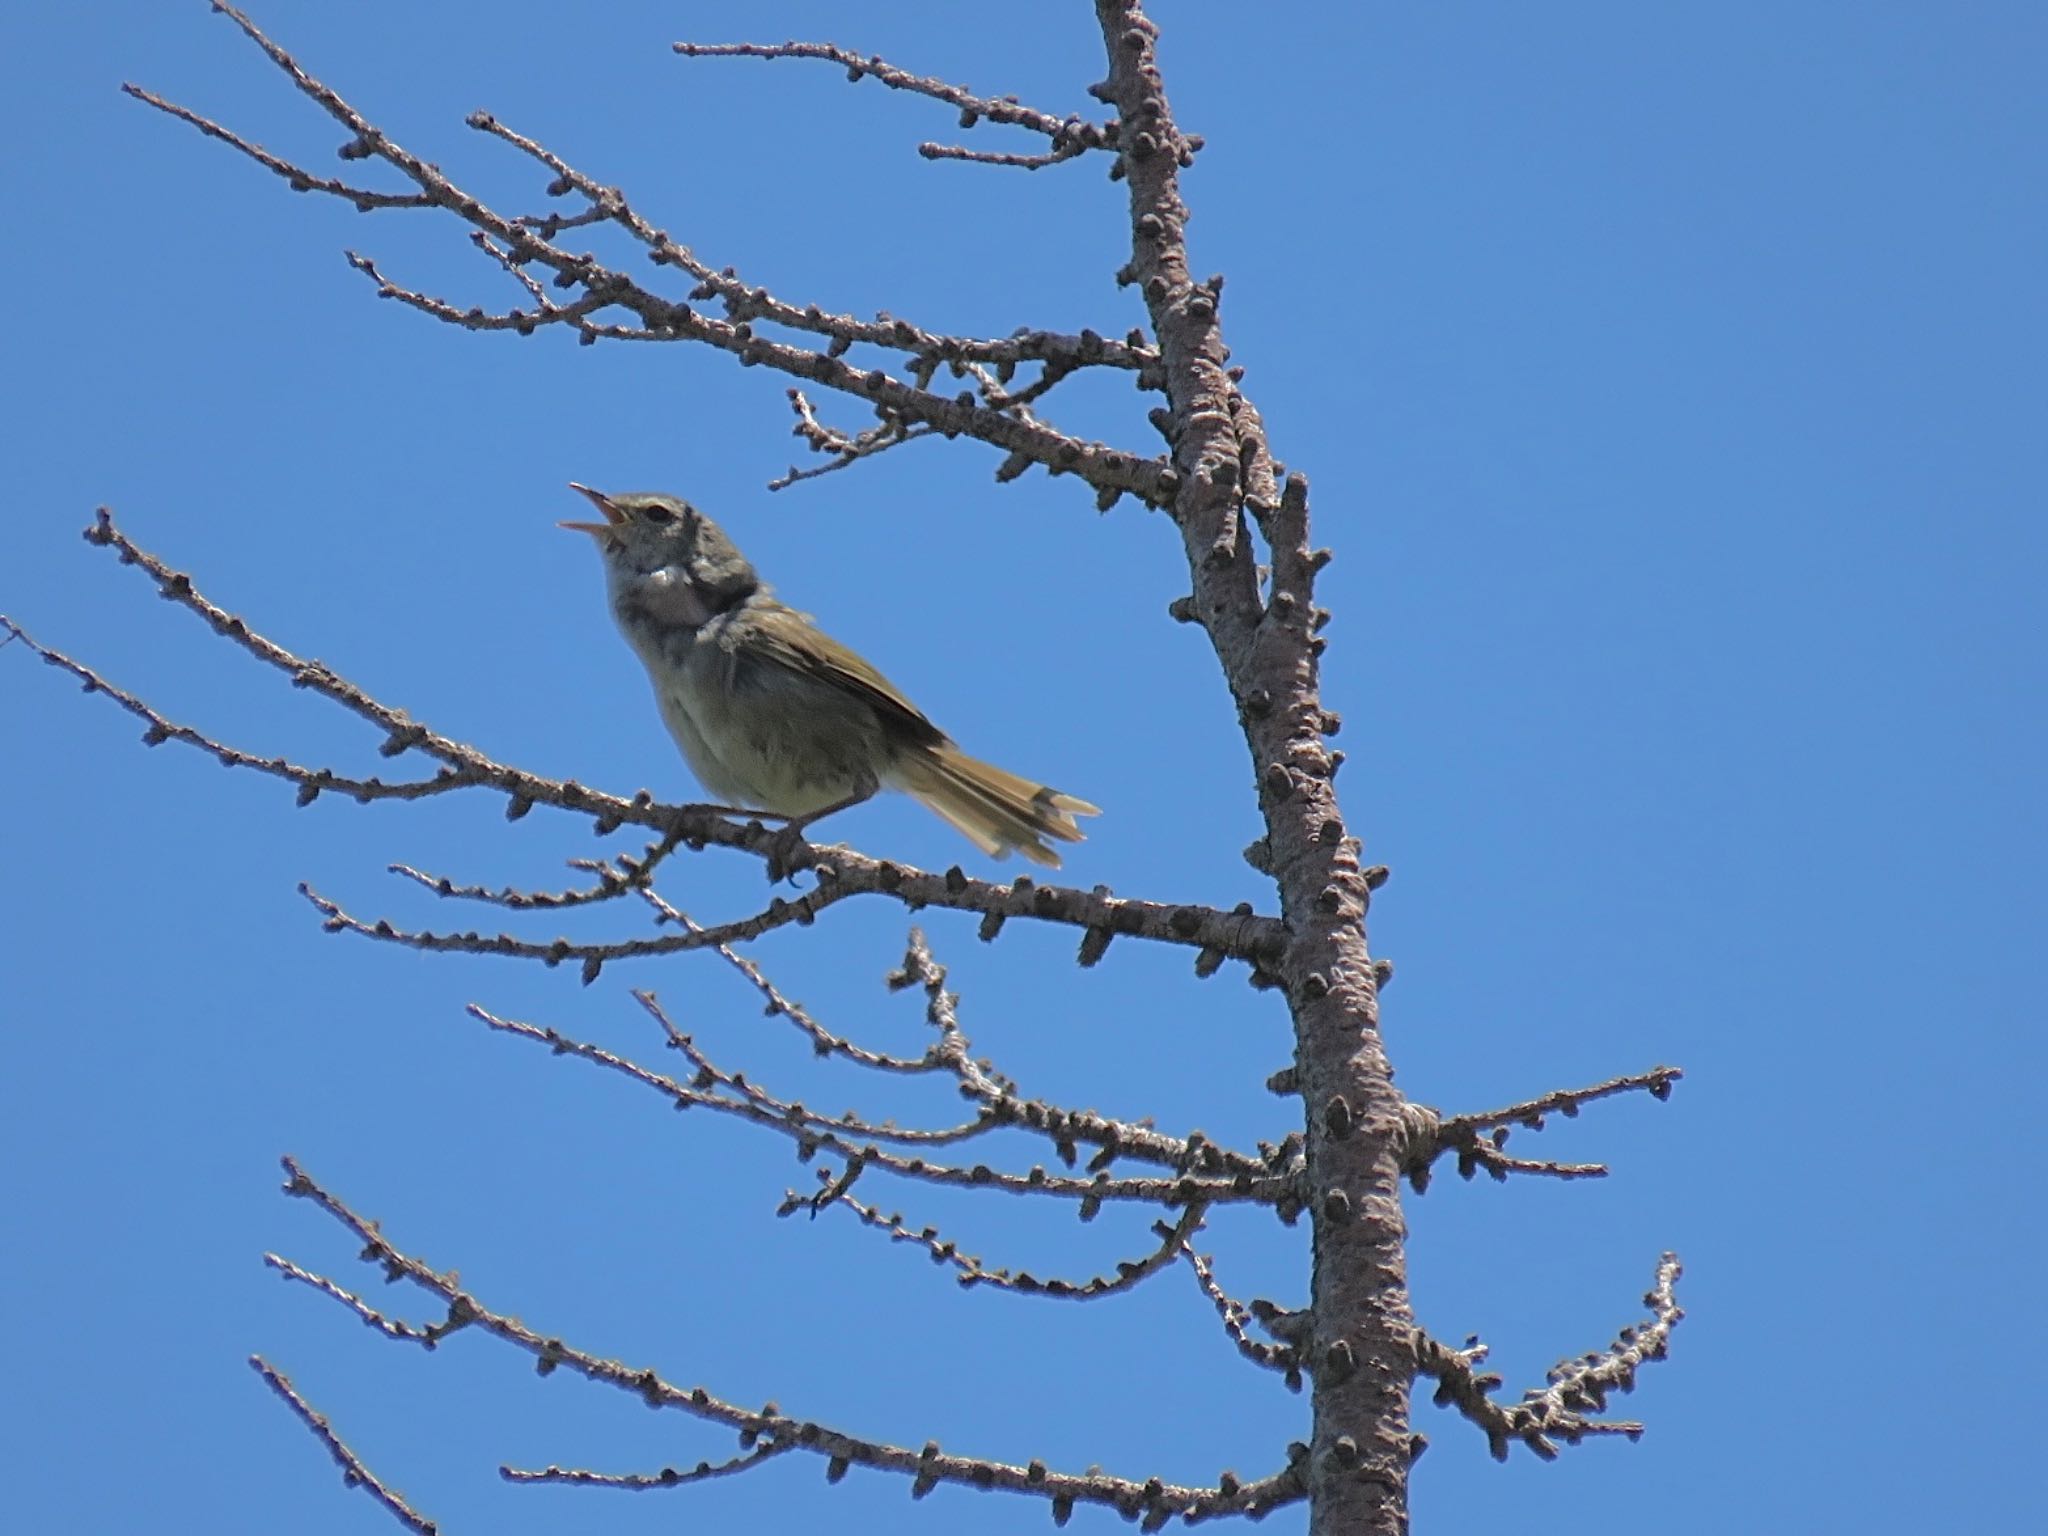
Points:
[(807, 651)]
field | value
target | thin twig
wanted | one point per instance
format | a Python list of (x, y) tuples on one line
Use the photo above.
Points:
[(845, 450), (1234, 1315), (779, 913), (1429, 1135), (1153, 1500), (621, 876), (812, 1133), (365, 199), (311, 781), (641, 1482), (1063, 131), (660, 318), (823, 1041), (390, 1327), (971, 1272), (354, 1472), (1065, 151), (1556, 1412)]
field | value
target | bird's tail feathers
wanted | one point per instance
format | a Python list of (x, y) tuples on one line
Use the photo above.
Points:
[(998, 812)]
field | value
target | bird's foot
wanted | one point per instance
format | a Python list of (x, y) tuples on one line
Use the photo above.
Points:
[(785, 848)]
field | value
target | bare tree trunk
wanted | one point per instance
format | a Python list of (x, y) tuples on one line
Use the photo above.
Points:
[(1358, 1350)]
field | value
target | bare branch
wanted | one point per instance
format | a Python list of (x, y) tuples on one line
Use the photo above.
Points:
[(1153, 1500), (1003, 1105), (311, 781), (620, 876), (1657, 1082), (1430, 1135), (823, 1041), (640, 1482), (366, 201), (802, 910), (707, 1074), (844, 450), (1239, 933), (813, 1133), (390, 1327), (1070, 135), (477, 318), (970, 1271), (354, 1472), (744, 301), (1111, 472), (1066, 151), (942, 1011), (1234, 1315), (1557, 1409), (779, 913), (1585, 1382), (1065, 1127)]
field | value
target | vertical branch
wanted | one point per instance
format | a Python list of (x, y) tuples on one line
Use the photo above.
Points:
[(1360, 1349)]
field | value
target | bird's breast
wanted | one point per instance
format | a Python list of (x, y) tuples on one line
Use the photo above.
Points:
[(757, 734)]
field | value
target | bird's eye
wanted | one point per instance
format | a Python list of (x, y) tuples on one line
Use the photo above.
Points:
[(656, 513)]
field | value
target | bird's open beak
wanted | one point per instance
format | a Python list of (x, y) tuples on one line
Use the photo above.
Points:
[(612, 515)]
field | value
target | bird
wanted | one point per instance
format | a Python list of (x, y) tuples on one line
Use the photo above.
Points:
[(771, 713)]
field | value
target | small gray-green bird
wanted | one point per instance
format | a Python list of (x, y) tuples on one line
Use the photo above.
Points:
[(775, 715)]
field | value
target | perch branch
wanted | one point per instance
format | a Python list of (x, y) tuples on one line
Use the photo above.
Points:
[(1238, 934)]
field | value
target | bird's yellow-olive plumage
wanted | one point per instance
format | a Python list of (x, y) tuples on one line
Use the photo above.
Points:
[(775, 715)]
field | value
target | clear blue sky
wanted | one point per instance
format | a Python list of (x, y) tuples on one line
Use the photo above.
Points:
[(1670, 380)]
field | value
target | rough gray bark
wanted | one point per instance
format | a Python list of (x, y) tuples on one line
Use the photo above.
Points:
[(1359, 1349)]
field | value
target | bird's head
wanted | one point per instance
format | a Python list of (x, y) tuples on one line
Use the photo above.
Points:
[(669, 552)]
